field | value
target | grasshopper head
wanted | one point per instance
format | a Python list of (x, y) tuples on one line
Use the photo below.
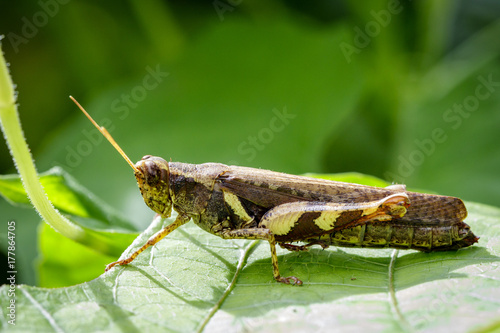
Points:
[(151, 173), (152, 177)]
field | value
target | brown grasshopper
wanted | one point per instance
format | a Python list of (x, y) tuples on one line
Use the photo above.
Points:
[(235, 202)]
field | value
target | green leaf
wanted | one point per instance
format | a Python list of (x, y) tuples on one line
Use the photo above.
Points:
[(63, 262), (194, 280), (110, 232), (68, 197)]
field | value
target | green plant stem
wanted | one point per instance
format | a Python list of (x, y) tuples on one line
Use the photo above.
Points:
[(11, 127)]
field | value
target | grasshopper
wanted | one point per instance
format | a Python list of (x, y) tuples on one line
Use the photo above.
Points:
[(236, 202)]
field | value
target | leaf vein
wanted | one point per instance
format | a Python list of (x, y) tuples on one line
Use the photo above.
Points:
[(241, 263), (392, 295), (44, 312)]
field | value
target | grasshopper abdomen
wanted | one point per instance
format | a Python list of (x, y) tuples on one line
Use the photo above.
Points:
[(404, 236)]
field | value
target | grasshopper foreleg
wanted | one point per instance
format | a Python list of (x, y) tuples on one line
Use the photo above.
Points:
[(180, 220), (263, 234)]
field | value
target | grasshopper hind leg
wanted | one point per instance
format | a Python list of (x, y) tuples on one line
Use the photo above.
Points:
[(262, 234)]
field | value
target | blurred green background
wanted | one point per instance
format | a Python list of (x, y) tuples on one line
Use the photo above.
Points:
[(407, 91)]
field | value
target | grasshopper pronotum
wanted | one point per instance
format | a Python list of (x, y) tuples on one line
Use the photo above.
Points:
[(238, 202)]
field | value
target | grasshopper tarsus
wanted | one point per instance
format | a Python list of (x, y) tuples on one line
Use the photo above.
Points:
[(113, 264), (294, 248), (122, 262), (299, 248), (294, 281)]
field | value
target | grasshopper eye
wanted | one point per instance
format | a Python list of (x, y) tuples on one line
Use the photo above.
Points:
[(153, 170), (153, 173)]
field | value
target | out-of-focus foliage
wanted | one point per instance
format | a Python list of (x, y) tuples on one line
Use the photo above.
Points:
[(406, 91)]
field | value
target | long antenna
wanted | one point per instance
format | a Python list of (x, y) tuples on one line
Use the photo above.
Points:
[(106, 135)]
